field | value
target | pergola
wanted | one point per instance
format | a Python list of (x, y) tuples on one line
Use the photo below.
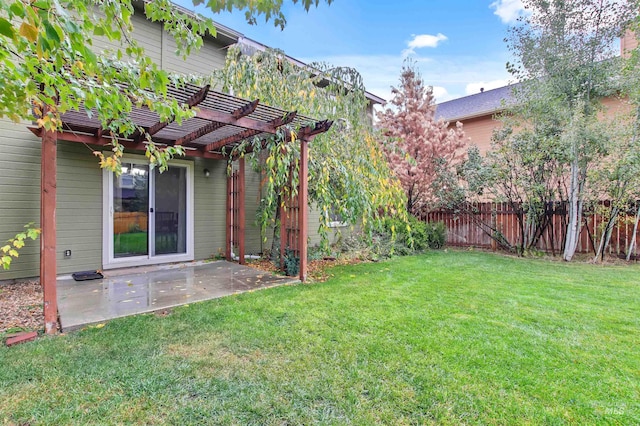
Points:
[(221, 123)]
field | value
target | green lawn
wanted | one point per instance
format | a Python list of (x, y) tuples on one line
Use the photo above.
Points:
[(130, 243), (135, 243), (442, 338)]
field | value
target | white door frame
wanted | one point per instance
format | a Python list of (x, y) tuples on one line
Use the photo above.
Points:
[(108, 259)]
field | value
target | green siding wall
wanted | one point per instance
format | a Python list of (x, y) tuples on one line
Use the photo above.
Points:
[(19, 193), (78, 209), (210, 57), (161, 48), (147, 33), (210, 208)]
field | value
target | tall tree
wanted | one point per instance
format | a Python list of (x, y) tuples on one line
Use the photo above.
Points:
[(617, 176), (348, 174), (419, 147), (564, 50)]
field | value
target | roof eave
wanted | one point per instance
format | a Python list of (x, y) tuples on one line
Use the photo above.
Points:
[(490, 113)]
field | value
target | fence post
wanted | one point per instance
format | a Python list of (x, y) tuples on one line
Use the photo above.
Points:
[(494, 225)]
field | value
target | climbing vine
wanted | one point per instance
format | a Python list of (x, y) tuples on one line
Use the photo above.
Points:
[(348, 174)]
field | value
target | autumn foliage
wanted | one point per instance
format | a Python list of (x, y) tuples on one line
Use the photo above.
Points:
[(418, 147)]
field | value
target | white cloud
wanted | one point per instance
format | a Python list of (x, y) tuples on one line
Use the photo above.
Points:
[(426, 40), (508, 10), (423, 40), (441, 94), (473, 88)]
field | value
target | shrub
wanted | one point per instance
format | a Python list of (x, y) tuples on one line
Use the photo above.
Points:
[(379, 244), (436, 235), (291, 263), (424, 235)]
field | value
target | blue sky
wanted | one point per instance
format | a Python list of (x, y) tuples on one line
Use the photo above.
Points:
[(457, 44)]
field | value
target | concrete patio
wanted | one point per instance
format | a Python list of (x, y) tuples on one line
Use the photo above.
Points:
[(134, 291)]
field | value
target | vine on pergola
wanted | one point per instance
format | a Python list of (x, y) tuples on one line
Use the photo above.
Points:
[(348, 174)]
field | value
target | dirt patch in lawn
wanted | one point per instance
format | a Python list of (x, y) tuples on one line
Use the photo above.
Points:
[(21, 306)]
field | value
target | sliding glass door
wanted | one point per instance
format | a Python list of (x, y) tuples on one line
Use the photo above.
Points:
[(170, 211), (131, 211), (148, 217)]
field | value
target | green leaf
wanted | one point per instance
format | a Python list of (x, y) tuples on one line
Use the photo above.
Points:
[(17, 9), (6, 28), (51, 32), (33, 233), (41, 4)]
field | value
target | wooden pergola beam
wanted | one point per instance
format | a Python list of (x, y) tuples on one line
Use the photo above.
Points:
[(307, 132), (245, 110), (192, 101), (214, 146), (227, 118), (69, 136), (318, 127), (204, 130), (278, 122)]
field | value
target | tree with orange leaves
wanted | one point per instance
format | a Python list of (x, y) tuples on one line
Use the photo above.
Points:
[(418, 147)]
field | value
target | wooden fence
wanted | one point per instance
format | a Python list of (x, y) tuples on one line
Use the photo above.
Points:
[(471, 226), (124, 222)]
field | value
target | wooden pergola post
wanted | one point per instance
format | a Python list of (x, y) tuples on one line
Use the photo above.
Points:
[(303, 213), (283, 231), (48, 164), (241, 212), (229, 213)]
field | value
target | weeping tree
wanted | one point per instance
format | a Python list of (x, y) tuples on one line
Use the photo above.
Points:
[(418, 147), (564, 50), (348, 175)]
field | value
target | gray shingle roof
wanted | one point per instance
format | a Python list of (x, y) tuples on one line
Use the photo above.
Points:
[(487, 102)]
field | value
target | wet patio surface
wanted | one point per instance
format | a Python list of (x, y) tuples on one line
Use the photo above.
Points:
[(123, 293)]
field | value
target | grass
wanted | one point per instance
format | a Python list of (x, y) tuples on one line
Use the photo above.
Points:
[(442, 338), (131, 243), (135, 243)]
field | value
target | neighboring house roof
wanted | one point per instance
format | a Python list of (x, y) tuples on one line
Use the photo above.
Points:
[(483, 103)]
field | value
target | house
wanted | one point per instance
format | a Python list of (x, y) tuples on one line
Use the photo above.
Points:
[(478, 112), (142, 217)]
